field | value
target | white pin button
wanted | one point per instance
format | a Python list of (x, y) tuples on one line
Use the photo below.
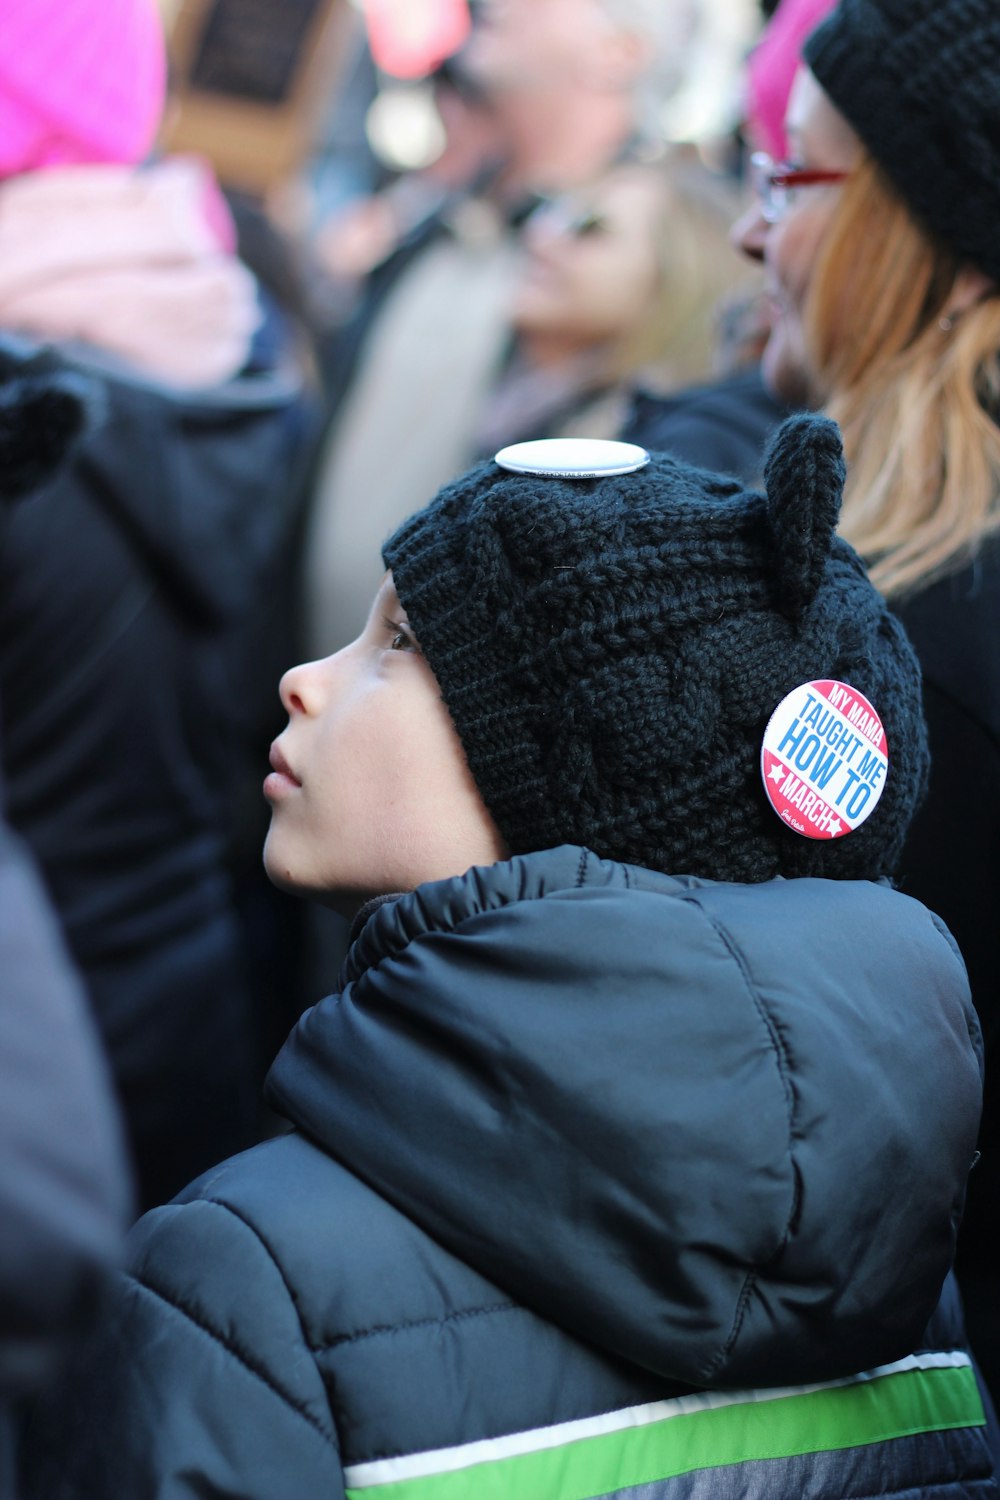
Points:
[(824, 759), (573, 458)]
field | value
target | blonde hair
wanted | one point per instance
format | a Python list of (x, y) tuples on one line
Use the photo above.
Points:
[(914, 393), (675, 344)]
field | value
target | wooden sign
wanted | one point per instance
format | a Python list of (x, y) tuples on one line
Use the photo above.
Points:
[(251, 82)]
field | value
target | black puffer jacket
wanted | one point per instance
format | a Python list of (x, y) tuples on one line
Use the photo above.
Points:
[(575, 1142)]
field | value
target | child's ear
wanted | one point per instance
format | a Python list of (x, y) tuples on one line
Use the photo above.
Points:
[(804, 475)]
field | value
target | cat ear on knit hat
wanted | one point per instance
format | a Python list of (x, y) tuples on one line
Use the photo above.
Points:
[(804, 474)]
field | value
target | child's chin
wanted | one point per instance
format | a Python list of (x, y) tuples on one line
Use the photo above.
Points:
[(278, 870)]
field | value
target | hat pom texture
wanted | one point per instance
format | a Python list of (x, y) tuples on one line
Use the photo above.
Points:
[(611, 650), (46, 409)]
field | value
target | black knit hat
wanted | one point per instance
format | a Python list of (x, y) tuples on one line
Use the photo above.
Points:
[(919, 80), (611, 650)]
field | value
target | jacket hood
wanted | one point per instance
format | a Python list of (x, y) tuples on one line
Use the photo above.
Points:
[(45, 409), (721, 1131), (190, 477), (210, 502)]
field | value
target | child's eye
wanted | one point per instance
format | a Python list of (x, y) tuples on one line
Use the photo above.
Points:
[(400, 638)]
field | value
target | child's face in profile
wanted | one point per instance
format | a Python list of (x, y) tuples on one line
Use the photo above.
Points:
[(370, 790)]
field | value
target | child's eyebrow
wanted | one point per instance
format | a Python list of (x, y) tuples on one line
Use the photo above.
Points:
[(399, 622)]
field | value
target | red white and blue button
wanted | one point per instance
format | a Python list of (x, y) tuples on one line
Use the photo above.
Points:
[(824, 759)]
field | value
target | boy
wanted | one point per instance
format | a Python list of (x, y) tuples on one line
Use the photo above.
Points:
[(661, 1101)]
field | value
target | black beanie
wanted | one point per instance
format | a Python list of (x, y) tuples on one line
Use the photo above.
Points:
[(919, 80), (611, 650)]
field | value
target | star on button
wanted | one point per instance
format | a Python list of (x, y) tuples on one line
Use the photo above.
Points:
[(777, 771), (834, 828)]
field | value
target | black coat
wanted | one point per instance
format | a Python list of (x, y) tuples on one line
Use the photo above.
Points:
[(723, 426), (63, 1183), (574, 1142), (952, 862), (131, 588)]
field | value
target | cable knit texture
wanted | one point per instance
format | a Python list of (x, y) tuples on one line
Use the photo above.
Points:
[(611, 650), (919, 80)]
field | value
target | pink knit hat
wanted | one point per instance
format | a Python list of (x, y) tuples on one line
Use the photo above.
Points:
[(774, 63), (80, 81)]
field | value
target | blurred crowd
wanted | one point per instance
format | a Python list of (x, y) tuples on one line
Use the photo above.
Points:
[(637, 219)]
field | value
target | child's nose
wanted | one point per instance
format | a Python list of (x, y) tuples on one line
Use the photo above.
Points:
[(299, 688)]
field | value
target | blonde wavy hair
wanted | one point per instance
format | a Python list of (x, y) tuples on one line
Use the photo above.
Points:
[(676, 344), (916, 394)]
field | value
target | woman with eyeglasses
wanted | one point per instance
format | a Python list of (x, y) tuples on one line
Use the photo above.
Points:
[(880, 241)]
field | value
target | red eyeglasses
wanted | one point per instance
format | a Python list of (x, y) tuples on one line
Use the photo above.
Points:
[(774, 182)]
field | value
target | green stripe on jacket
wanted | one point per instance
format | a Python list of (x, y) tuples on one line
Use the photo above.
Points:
[(704, 1431)]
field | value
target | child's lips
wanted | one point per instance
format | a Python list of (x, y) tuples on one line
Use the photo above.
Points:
[(282, 775)]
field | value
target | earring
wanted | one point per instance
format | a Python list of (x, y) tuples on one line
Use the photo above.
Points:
[(945, 325)]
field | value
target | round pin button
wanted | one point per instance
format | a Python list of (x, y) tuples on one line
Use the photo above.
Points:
[(573, 458), (824, 759)]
